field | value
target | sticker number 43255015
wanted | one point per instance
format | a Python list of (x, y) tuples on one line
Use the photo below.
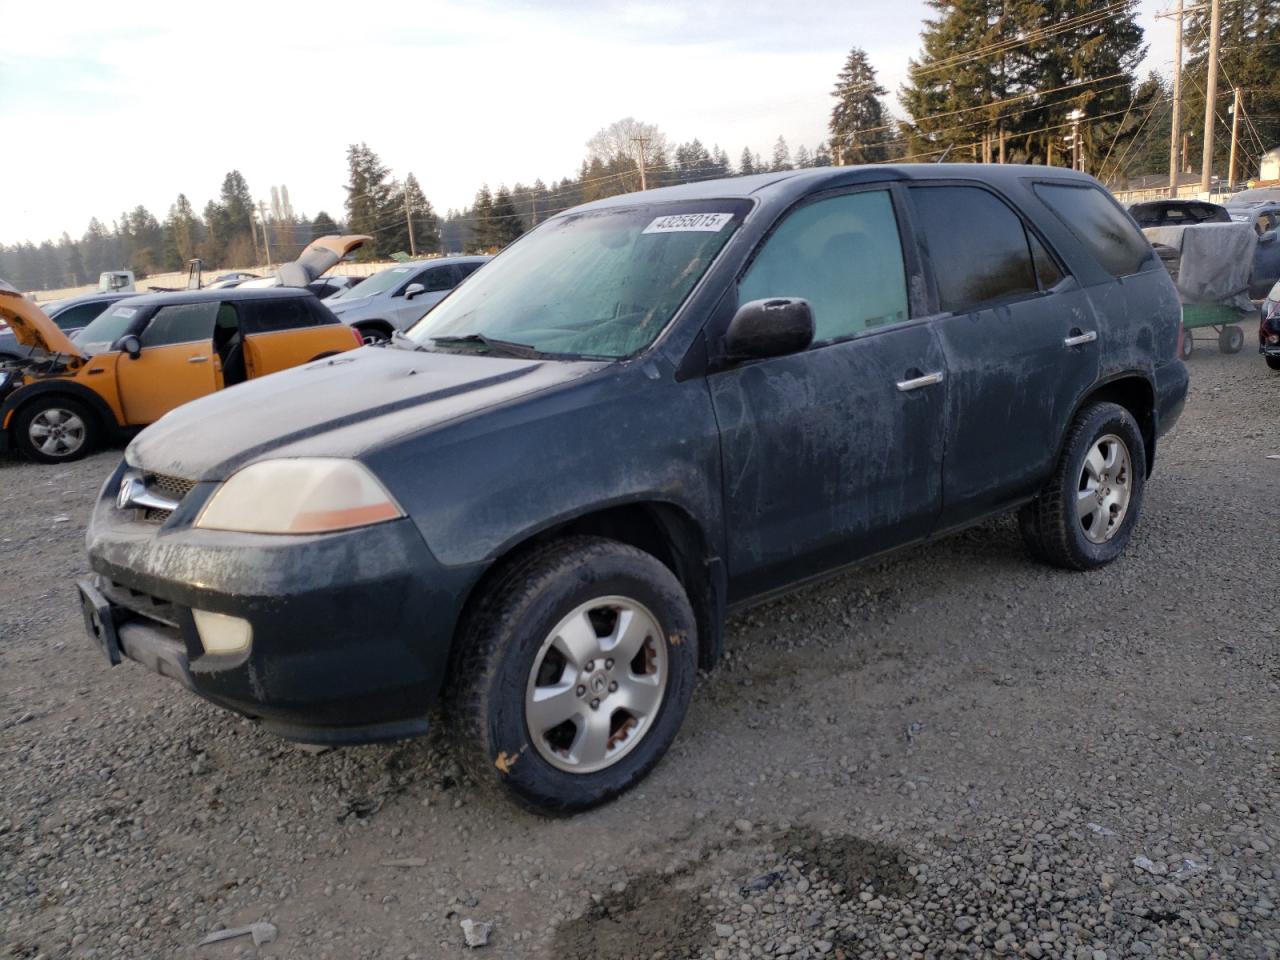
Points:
[(681, 222)]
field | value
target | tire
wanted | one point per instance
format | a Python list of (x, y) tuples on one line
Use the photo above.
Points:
[(1188, 345), (513, 647), (1230, 339), (55, 429), (374, 333), (1273, 362), (1102, 469)]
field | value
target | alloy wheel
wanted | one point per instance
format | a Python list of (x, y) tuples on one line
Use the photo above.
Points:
[(1105, 488), (596, 685), (56, 432)]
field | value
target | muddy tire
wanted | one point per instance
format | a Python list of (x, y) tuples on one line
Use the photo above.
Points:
[(1084, 516), (55, 429), (573, 674)]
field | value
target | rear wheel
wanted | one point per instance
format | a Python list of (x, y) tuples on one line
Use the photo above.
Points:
[(1273, 363), (374, 333), (574, 675), (1230, 339), (55, 429), (1085, 514)]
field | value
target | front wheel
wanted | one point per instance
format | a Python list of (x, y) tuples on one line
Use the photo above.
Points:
[(574, 675), (1085, 514), (53, 429), (1230, 339), (374, 333), (1273, 362)]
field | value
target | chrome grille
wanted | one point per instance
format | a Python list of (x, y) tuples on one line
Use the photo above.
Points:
[(175, 488)]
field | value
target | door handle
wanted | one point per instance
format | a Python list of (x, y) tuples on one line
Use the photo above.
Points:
[(197, 359), (925, 380), (1079, 338)]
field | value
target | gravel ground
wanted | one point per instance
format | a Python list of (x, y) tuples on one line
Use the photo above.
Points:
[(951, 752)]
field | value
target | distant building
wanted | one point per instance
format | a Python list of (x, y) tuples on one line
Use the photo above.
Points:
[(1269, 165)]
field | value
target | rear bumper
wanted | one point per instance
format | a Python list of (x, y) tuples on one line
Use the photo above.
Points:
[(351, 631)]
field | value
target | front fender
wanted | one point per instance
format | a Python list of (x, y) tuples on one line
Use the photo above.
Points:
[(57, 385)]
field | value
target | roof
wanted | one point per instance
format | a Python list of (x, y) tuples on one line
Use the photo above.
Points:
[(224, 293), (809, 180)]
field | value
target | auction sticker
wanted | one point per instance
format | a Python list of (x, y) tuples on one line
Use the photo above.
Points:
[(684, 222)]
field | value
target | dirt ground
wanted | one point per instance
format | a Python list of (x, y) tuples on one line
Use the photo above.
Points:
[(955, 751)]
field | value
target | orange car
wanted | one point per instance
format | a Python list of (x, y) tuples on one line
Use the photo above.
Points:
[(143, 356)]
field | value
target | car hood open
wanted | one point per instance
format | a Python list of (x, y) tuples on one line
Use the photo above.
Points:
[(32, 328), (338, 407), (320, 254)]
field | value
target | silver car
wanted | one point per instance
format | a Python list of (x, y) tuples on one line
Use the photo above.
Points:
[(395, 298)]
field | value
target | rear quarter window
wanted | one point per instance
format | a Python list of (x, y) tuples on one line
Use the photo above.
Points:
[(1100, 226)]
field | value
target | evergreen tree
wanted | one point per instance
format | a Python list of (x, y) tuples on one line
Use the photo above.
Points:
[(483, 237), (803, 159), (781, 155), (72, 261), (822, 156), (507, 225), (369, 199), (860, 131), (746, 164), (182, 234), (323, 226)]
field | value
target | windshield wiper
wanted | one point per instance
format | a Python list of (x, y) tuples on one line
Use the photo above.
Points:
[(509, 347)]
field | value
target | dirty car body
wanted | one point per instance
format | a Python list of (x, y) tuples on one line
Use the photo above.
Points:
[(793, 373)]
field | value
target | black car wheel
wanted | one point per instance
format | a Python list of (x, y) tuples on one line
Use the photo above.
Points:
[(55, 429), (1085, 514), (574, 674), (1273, 362), (1230, 339)]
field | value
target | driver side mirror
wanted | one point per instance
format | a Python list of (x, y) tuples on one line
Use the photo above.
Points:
[(1268, 237), (131, 345), (413, 289), (773, 327)]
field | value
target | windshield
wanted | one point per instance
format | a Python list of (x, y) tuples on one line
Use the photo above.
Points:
[(379, 283), (602, 283), (108, 327)]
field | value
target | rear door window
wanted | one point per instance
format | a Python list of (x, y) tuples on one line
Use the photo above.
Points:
[(1100, 226), (466, 269), (181, 323), (978, 248), (79, 316), (286, 313), (437, 279), (842, 254)]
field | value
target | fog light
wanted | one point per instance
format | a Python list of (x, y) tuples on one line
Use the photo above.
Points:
[(220, 633)]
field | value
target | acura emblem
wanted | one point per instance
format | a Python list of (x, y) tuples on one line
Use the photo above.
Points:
[(129, 487)]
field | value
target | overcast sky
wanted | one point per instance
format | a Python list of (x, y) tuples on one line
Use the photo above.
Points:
[(124, 104)]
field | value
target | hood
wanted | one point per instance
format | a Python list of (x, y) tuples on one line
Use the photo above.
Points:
[(320, 254), (350, 303), (340, 407), (32, 328)]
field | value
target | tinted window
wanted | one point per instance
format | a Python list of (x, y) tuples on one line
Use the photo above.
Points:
[(267, 316), (436, 279), (1100, 227), (79, 316), (1047, 270), (844, 256), (466, 269), (181, 323), (977, 246)]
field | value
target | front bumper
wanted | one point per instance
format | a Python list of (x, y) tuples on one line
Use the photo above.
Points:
[(351, 631)]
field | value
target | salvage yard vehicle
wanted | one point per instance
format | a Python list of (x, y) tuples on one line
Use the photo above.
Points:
[(1177, 213), (539, 505), (146, 355), (395, 298)]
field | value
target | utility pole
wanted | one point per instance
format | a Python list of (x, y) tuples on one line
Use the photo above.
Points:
[(641, 143), (1235, 137), (1210, 95), (408, 219), (266, 242), (1174, 168), (1075, 116), (253, 232), (1002, 135)]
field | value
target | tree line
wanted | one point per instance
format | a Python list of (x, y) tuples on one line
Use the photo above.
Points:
[(995, 80)]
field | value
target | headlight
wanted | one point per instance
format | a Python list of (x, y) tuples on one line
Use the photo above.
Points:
[(299, 496)]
